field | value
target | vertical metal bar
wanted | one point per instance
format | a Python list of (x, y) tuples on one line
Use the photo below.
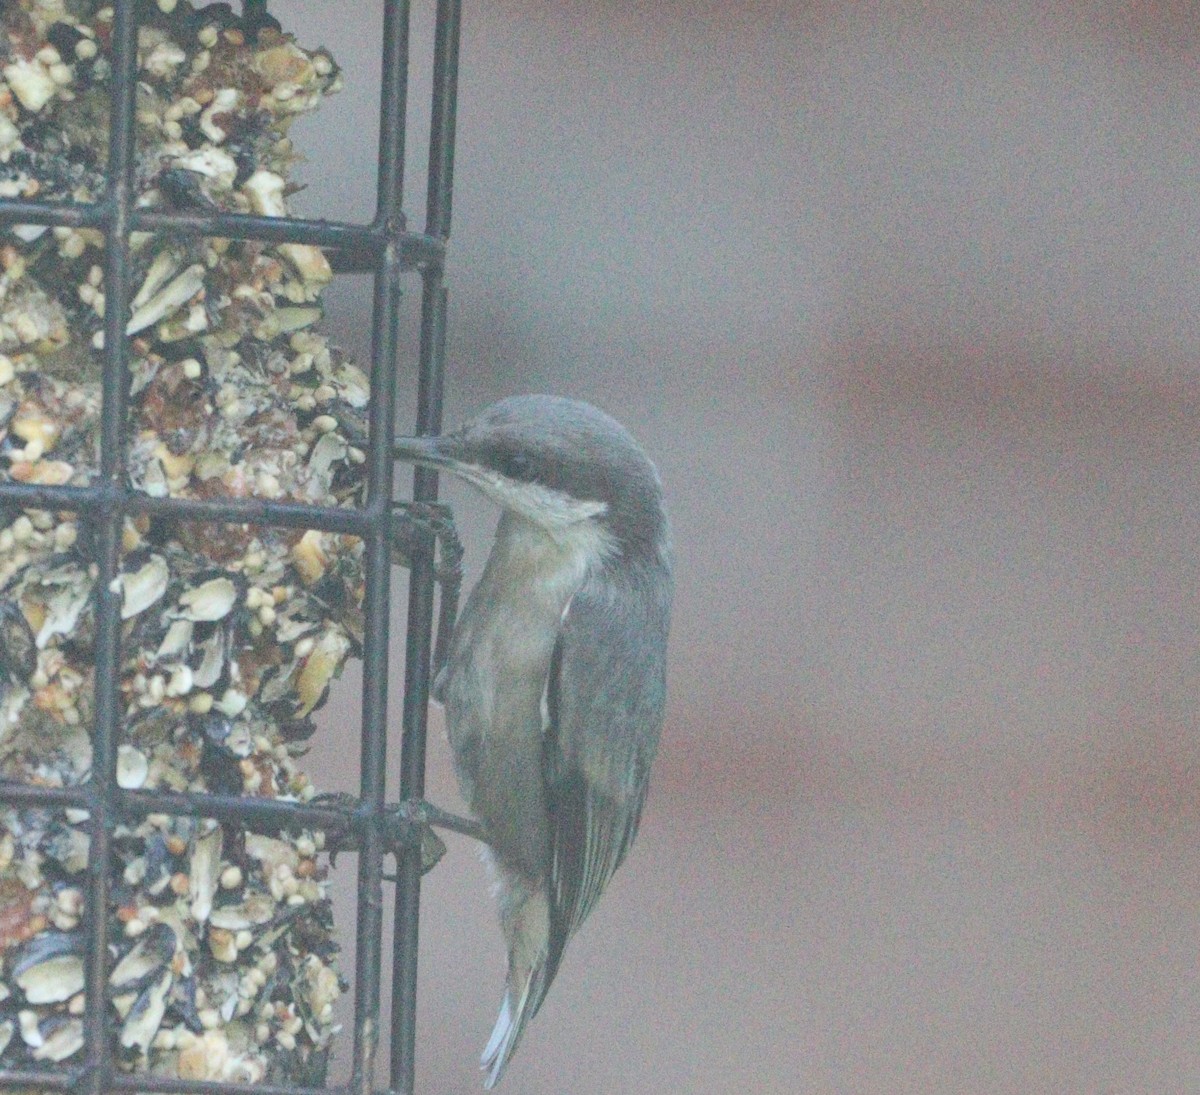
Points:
[(445, 105), (414, 718), (385, 326), (375, 680), (393, 116), (118, 202), (421, 577)]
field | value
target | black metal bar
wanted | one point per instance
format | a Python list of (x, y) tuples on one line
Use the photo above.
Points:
[(437, 296), (169, 1085), (393, 112), (231, 511), (241, 511), (64, 214), (384, 349), (98, 496), (236, 809), (49, 798), (320, 233), (119, 199), (246, 511), (421, 576), (72, 1079), (374, 709), (410, 815), (445, 110), (44, 1079), (416, 249), (255, 511), (416, 696)]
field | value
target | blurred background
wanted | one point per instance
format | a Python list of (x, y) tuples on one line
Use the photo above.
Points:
[(901, 297)]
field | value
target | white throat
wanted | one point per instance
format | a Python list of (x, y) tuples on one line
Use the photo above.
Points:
[(562, 517), (547, 542)]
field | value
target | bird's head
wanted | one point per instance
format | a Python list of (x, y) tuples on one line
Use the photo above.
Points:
[(555, 462)]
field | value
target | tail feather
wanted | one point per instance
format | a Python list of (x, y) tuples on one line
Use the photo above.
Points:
[(525, 922), (509, 1027)]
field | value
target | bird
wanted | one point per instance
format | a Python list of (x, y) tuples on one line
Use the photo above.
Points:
[(555, 683)]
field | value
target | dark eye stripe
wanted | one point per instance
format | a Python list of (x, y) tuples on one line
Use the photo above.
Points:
[(514, 463)]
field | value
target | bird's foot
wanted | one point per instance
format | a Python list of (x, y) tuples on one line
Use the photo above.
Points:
[(419, 812), (411, 523), (420, 817), (408, 822), (344, 839)]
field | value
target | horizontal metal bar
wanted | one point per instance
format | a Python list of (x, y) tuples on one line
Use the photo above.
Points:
[(48, 798), (148, 1082), (255, 511), (240, 511), (416, 249), (101, 495), (59, 1079), (400, 819), (55, 214), (235, 808), (46, 1080), (232, 511), (320, 233), (276, 812)]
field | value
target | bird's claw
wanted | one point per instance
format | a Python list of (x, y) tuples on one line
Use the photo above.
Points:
[(433, 847), (344, 839), (422, 813), (409, 822), (411, 521), (416, 817)]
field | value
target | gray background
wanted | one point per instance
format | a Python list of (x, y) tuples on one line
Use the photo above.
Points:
[(902, 299)]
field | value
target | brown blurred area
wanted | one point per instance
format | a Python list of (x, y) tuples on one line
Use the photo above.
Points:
[(902, 299)]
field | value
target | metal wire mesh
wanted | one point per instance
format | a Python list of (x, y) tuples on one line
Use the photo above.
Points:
[(391, 253)]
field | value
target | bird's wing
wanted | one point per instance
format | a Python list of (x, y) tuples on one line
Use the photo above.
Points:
[(604, 703)]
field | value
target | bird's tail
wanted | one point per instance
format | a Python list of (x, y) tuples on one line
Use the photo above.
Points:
[(525, 920), (508, 1030)]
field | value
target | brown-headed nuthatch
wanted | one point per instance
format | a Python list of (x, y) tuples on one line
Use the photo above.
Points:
[(556, 678)]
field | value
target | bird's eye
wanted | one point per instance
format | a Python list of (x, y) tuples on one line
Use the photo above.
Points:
[(516, 465)]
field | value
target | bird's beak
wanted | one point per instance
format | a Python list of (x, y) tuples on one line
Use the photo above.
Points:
[(432, 452)]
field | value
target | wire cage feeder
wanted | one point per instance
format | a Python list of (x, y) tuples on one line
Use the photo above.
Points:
[(106, 804)]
